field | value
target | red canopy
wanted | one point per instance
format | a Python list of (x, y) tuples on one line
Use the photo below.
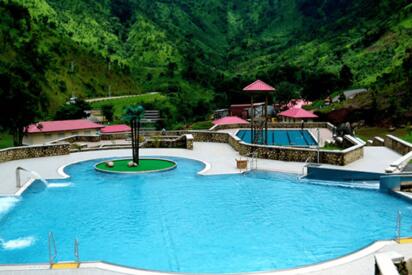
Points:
[(259, 86), (298, 113), (229, 120)]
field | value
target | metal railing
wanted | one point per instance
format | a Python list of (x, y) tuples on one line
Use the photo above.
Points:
[(253, 161), (76, 251), (398, 226), (52, 248), (305, 166)]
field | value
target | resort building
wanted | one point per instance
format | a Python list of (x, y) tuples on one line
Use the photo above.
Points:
[(47, 131), (297, 115)]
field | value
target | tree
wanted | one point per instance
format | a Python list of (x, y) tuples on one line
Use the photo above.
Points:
[(108, 111), (133, 114), (286, 91), (346, 76), (22, 78), (76, 110)]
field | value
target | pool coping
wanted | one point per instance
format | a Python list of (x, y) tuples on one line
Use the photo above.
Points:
[(137, 172), (306, 269), (283, 129)]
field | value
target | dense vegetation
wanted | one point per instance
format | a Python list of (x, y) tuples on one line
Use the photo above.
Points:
[(199, 54)]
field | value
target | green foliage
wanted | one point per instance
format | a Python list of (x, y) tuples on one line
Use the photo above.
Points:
[(108, 112), (201, 125), (21, 81), (119, 104), (200, 54), (73, 110), (6, 140)]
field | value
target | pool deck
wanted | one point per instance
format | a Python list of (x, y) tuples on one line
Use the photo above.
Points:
[(220, 159)]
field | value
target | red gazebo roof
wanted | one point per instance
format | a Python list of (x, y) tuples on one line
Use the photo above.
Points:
[(229, 120), (298, 113), (259, 86)]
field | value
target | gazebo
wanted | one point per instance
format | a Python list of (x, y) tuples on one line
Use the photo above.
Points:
[(259, 126), (296, 114)]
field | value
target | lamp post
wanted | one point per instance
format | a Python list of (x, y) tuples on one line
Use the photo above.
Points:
[(318, 133)]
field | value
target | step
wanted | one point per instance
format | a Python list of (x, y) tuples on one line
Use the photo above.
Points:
[(65, 265)]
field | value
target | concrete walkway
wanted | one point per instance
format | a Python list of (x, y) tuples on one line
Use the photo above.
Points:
[(375, 159), (220, 156)]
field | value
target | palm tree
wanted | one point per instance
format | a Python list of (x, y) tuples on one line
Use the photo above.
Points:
[(133, 114)]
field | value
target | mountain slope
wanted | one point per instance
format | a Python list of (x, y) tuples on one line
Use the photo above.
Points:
[(207, 49)]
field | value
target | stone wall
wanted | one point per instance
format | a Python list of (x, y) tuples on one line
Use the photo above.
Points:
[(283, 153), (36, 151), (184, 141), (398, 145)]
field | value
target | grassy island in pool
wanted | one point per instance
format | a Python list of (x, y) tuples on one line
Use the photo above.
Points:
[(145, 165)]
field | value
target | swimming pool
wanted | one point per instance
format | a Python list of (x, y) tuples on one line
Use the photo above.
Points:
[(301, 138), (180, 221)]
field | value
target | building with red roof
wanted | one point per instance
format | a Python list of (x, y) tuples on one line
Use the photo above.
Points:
[(116, 129), (295, 114), (46, 131)]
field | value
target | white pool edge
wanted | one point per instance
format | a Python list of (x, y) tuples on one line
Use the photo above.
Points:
[(357, 255)]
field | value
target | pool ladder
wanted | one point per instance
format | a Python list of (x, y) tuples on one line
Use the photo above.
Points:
[(253, 161), (303, 169), (53, 253)]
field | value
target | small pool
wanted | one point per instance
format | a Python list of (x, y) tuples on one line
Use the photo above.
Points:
[(301, 138), (178, 221)]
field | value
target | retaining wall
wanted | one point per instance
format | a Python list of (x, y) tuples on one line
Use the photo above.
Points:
[(35, 151), (336, 157), (397, 144)]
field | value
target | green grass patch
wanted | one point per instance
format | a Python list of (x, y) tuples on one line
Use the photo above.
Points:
[(201, 125), (145, 165), (331, 147), (366, 133), (6, 140)]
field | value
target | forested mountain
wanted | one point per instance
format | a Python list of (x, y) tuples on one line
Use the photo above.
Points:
[(201, 52)]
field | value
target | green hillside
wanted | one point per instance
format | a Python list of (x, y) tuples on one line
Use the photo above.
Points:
[(200, 53)]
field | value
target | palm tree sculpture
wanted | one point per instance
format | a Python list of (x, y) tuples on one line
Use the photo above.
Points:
[(134, 114)]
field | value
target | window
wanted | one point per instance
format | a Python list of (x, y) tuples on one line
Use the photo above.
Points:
[(61, 135), (87, 132)]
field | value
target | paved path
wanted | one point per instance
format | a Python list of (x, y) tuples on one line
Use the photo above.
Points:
[(375, 159), (220, 156), (90, 100)]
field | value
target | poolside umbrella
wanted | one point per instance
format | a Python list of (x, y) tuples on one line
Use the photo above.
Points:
[(297, 113), (229, 120)]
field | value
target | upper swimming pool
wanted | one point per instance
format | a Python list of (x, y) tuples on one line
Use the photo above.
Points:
[(182, 222), (278, 137)]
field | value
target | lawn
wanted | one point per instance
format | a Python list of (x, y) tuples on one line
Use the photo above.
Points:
[(145, 165), (120, 103), (201, 125), (367, 133), (6, 140)]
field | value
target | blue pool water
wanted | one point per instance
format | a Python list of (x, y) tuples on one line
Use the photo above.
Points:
[(277, 137), (180, 221)]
